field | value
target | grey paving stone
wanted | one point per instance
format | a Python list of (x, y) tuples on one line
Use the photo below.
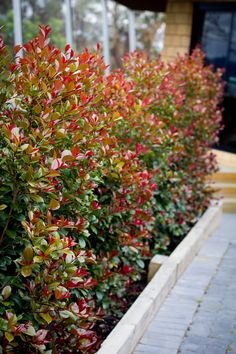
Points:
[(199, 315), (231, 348), (196, 339), (193, 347), (214, 249), (213, 349), (221, 342), (221, 336), (163, 341), (177, 311), (180, 301), (200, 328), (210, 309), (149, 349), (170, 313), (145, 349), (153, 332), (189, 352), (168, 326)]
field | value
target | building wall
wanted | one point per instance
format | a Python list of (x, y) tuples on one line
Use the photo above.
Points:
[(178, 28), (178, 32)]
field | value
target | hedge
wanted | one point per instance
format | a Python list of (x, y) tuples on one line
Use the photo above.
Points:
[(97, 174)]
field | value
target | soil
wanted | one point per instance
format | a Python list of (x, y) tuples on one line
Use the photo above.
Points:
[(106, 325)]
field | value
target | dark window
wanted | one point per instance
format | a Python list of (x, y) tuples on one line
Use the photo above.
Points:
[(214, 28), (219, 44)]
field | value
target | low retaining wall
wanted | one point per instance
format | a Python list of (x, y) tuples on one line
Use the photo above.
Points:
[(127, 333)]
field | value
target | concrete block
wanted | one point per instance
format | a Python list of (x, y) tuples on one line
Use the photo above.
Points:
[(211, 218), (139, 316), (119, 341), (189, 247), (155, 265), (161, 284)]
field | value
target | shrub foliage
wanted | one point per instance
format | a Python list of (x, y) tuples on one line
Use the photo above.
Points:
[(97, 173)]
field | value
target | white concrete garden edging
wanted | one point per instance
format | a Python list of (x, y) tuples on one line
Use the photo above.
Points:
[(126, 334)]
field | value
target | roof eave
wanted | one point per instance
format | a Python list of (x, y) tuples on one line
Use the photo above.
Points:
[(149, 5)]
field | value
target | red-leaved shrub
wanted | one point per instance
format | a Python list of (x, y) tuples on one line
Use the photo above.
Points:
[(172, 117), (96, 174)]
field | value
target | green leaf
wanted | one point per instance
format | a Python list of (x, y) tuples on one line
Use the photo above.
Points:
[(26, 271), (24, 147), (46, 317), (140, 263), (54, 204), (9, 336), (3, 324), (93, 228), (37, 198), (67, 314), (11, 233), (6, 292), (82, 242), (30, 331), (99, 295)]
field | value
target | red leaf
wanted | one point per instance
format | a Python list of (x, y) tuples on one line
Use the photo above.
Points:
[(17, 48), (67, 47), (95, 205), (83, 98), (13, 67)]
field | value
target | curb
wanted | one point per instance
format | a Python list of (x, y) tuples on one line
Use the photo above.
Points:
[(127, 333)]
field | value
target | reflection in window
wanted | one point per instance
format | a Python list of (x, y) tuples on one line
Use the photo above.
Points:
[(86, 23), (6, 22), (118, 31), (219, 44), (232, 59), (215, 37), (50, 12), (149, 31)]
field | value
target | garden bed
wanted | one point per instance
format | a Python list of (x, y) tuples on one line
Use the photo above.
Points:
[(125, 336)]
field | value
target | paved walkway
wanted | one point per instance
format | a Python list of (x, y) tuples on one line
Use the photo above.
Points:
[(199, 315)]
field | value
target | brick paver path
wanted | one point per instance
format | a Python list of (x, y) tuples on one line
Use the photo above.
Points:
[(199, 315)]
